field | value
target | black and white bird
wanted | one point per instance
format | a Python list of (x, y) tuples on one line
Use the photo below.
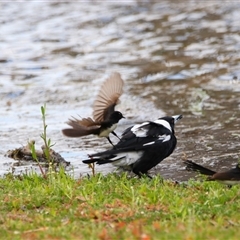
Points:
[(141, 146), (229, 177), (105, 118)]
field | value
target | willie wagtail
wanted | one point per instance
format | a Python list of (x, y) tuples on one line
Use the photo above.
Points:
[(105, 118), (229, 177), (141, 146)]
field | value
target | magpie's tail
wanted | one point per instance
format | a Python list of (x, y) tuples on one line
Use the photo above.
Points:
[(89, 161), (191, 166), (96, 160)]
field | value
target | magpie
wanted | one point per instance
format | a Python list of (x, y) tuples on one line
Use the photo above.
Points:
[(141, 146), (229, 177), (105, 118)]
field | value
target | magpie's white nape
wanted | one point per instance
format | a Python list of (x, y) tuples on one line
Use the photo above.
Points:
[(177, 117), (141, 146)]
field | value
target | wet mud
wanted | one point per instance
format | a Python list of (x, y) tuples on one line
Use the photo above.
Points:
[(175, 58)]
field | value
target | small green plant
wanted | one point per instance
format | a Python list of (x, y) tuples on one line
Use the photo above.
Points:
[(46, 148), (47, 142), (34, 156), (92, 167)]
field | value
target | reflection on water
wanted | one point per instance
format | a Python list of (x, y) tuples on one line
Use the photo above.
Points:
[(175, 58)]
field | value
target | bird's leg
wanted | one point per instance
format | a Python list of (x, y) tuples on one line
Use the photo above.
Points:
[(110, 141), (115, 135), (140, 175), (90, 156), (149, 176)]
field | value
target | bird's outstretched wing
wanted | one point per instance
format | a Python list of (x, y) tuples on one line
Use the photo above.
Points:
[(81, 127), (84, 122), (107, 97)]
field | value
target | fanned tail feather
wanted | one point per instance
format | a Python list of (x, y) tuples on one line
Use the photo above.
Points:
[(72, 132)]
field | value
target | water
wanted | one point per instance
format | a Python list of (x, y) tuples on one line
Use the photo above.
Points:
[(175, 58)]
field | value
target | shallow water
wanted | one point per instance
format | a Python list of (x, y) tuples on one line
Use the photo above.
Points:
[(174, 58)]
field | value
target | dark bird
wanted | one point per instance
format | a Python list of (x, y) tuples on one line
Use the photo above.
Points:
[(105, 118), (141, 146), (229, 177)]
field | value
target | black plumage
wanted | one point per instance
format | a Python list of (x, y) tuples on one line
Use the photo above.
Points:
[(141, 146)]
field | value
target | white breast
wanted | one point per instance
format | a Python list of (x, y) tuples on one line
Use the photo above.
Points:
[(106, 132)]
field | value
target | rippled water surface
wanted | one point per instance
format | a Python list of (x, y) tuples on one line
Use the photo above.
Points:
[(175, 58)]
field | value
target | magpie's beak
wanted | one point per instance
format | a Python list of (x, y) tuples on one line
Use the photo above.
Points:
[(177, 117)]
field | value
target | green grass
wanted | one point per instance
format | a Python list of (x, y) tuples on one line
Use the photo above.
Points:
[(116, 207)]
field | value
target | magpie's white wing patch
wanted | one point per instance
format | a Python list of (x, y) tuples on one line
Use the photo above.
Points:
[(126, 159), (149, 143), (162, 138), (139, 129), (164, 123)]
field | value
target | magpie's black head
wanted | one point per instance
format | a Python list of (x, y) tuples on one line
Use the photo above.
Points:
[(116, 116), (172, 120)]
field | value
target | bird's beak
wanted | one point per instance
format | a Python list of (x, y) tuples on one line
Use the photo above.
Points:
[(177, 117)]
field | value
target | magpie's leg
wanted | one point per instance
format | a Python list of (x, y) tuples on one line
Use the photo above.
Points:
[(140, 175), (115, 135), (149, 176)]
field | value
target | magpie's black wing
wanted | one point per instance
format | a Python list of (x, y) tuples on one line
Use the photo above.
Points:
[(139, 137), (153, 154)]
